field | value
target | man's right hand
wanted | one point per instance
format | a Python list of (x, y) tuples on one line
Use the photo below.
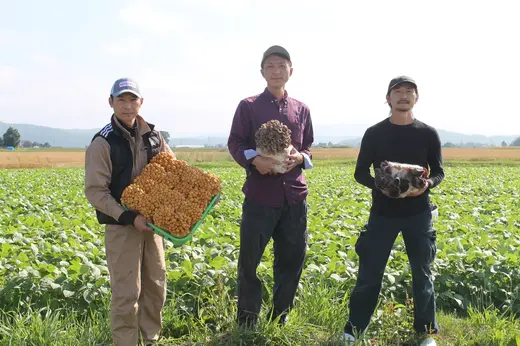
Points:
[(265, 165), (140, 223)]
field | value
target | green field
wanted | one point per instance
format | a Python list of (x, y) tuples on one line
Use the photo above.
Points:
[(54, 286)]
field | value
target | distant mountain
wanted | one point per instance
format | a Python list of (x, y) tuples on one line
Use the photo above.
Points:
[(342, 134), (73, 138), (458, 138), (352, 135)]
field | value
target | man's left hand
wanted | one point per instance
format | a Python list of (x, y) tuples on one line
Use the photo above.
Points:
[(294, 159), (419, 192)]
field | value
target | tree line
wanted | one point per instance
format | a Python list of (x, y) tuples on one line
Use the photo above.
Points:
[(11, 138), (29, 144), (515, 143)]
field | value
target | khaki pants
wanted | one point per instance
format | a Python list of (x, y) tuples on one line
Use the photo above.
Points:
[(138, 282)]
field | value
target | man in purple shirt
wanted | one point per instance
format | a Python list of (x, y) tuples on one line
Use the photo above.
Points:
[(275, 205)]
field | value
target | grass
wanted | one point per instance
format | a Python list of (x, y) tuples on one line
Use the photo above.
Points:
[(317, 320), (204, 314)]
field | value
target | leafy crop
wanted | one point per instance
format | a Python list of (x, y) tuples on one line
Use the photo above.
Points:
[(52, 249)]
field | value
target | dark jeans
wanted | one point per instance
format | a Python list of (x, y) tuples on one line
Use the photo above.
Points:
[(288, 228), (373, 248)]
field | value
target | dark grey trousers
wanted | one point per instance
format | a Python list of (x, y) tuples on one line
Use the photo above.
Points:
[(288, 228), (373, 248)]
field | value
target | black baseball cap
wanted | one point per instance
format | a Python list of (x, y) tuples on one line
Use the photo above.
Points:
[(400, 80), (275, 50)]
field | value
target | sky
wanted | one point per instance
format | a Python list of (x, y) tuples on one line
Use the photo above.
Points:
[(195, 60)]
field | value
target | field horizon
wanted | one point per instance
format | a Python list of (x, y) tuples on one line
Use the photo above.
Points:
[(74, 158)]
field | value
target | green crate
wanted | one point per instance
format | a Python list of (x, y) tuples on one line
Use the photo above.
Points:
[(182, 241)]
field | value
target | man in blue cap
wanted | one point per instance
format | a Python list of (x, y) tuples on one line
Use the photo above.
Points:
[(399, 138), (135, 255)]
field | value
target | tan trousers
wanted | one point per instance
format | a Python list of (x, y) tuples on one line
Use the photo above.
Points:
[(138, 282)]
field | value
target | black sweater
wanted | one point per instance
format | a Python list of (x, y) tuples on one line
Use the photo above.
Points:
[(416, 143)]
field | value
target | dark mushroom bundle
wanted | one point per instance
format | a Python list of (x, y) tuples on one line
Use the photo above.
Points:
[(398, 180)]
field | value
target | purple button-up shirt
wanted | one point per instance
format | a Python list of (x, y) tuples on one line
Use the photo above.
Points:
[(251, 113)]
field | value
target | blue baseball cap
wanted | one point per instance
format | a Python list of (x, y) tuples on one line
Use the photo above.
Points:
[(125, 85)]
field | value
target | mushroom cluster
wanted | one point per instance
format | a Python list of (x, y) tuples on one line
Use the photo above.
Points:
[(273, 140), (171, 193)]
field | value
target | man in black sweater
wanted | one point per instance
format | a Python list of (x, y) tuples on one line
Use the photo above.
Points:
[(399, 138)]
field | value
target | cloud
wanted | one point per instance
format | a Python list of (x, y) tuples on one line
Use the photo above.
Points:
[(7, 74), (42, 58), (149, 19), (225, 6), (9, 36), (120, 48)]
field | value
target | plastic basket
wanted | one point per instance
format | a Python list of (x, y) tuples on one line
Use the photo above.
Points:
[(181, 241)]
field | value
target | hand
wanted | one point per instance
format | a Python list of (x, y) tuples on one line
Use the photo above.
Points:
[(419, 192), (140, 223), (293, 160), (265, 165)]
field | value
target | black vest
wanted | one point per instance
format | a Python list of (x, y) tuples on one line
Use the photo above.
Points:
[(123, 160)]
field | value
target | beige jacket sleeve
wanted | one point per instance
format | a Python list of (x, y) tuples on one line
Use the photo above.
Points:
[(98, 171), (165, 147)]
